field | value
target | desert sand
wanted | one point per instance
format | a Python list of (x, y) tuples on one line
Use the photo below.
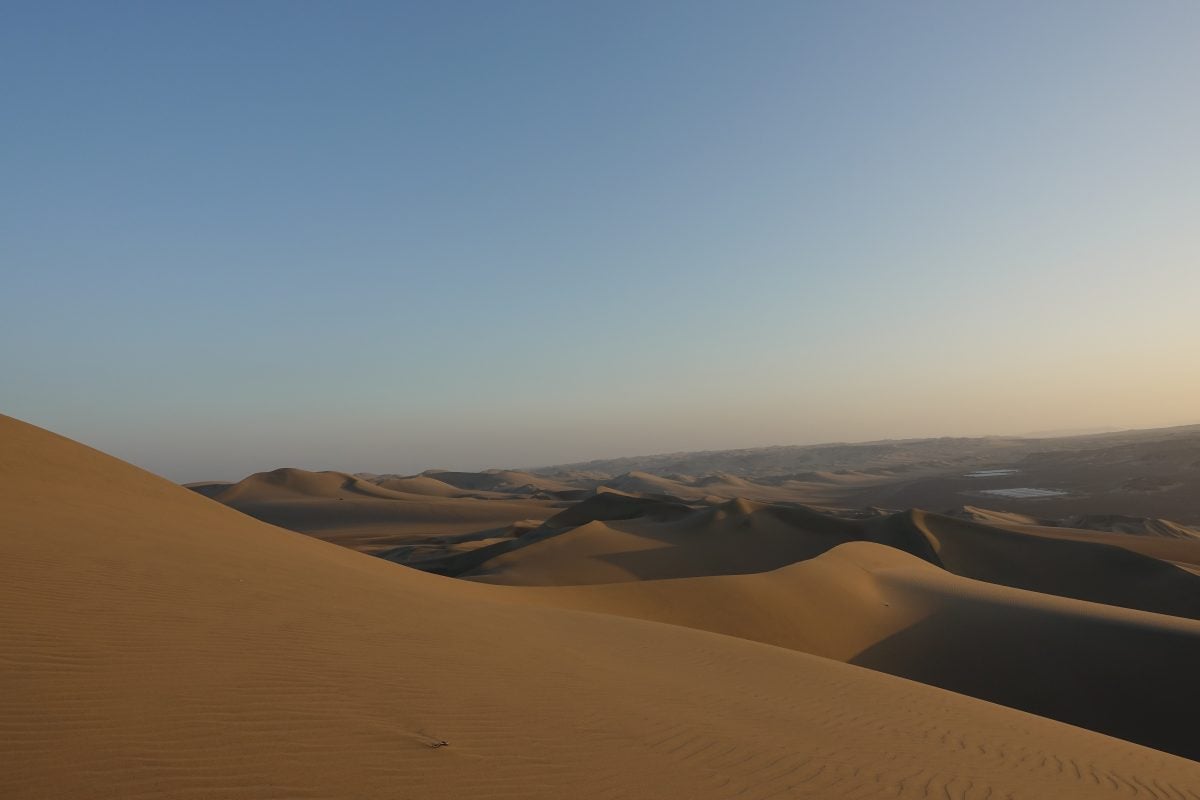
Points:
[(161, 645)]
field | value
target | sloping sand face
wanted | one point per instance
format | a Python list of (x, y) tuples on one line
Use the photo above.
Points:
[(159, 645), (1123, 672)]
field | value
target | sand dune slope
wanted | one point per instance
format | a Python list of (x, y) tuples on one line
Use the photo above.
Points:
[(1127, 673), (159, 645)]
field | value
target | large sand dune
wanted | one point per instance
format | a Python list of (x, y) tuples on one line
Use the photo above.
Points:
[(876, 606), (160, 645)]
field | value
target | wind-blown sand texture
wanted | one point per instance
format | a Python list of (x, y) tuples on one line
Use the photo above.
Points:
[(160, 645)]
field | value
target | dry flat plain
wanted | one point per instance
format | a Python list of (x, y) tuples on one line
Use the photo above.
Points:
[(574, 634)]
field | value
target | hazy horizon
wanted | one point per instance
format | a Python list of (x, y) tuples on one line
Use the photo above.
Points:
[(391, 238), (382, 467)]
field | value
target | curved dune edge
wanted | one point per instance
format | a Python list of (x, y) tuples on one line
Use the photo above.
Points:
[(876, 606), (160, 645)]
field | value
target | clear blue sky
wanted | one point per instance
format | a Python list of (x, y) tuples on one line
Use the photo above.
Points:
[(388, 236)]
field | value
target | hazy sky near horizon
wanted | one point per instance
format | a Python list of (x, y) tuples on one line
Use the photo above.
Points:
[(388, 236)]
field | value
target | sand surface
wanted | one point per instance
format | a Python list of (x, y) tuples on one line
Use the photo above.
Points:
[(159, 644)]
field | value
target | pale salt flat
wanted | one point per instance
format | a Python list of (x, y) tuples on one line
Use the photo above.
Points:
[(990, 473), (1025, 492)]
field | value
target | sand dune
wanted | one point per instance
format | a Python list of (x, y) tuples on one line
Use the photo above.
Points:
[(1136, 526), (160, 645), (370, 517), (286, 484), (1162, 542), (667, 541), (1106, 523), (991, 517), (609, 504), (426, 485), (643, 483), (876, 606), (502, 480), (1080, 565)]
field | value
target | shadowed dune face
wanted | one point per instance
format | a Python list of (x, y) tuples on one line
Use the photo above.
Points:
[(1086, 569), (159, 645), (1128, 674)]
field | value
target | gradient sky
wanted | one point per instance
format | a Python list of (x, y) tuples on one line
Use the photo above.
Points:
[(387, 236)]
